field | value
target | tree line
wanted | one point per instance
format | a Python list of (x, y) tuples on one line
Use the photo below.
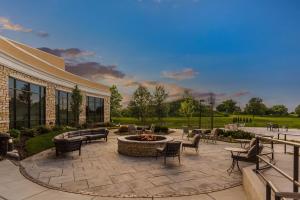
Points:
[(144, 104)]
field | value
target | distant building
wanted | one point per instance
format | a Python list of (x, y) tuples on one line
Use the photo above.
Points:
[(35, 90)]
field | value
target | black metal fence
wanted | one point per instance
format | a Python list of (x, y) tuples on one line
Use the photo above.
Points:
[(269, 164)]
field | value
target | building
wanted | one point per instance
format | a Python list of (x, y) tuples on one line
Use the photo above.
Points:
[(35, 90)]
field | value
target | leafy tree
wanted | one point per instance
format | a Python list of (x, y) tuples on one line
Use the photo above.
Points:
[(256, 106), (76, 104), (297, 110), (140, 103), (115, 101), (228, 106), (159, 97), (187, 108), (279, 110)]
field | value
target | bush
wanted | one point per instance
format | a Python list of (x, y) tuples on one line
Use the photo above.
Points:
[(15, 133), (238, 134), (27, 132), (57, 128), (161, 129), (123, 129), (42, 130)]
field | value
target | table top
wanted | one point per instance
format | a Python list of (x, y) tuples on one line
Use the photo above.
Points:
[(243, 140), (235, 149)]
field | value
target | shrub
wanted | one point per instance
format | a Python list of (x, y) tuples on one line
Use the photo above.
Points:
[(161, 129), (237, 134), (123, 129), (57, 128), (42, 130), (15, 133), (27, 132)]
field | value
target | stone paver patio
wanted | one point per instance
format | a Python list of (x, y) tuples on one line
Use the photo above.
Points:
[(101, 171)]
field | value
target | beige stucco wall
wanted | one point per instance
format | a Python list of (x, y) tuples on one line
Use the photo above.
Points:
[(50, 98)]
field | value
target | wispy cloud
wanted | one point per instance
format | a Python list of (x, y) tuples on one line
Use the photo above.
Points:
[(71, 55), (187, 73), (7, 24)]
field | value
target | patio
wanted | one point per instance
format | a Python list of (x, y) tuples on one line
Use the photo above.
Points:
[(101, 171)]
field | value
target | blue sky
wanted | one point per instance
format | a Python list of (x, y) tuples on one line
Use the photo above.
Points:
[(236, 48)]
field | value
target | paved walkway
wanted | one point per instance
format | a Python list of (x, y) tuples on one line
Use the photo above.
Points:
[(101, 171), (13, 186)]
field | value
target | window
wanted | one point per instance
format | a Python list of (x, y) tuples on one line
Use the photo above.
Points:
[(64, 114), (94, 110), (26, 104)]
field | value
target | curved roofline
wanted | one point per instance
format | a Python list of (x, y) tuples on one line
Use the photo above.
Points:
[(23, 56)]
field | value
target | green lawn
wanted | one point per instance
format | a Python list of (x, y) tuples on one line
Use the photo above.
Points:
[(178, 122)]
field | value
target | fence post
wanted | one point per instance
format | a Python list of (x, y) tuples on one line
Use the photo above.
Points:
[(296, 167), (268, 192), (257, 153), (285, 144), (272, 146)]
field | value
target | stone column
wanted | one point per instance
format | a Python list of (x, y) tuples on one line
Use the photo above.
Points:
[(106, 109), (50, 105), (4, 100), (82, 116)]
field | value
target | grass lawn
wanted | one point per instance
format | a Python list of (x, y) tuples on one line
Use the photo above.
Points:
[(41, 142), (219, 121)]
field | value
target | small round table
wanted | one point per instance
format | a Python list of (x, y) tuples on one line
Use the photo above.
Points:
[(237, 151)]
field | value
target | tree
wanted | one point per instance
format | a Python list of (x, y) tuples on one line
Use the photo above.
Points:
[(297, 110), (279, 110), (159, 97), (187, 108), (256, 106), (228, 106), (115, 101), (140, 103), (76, 104)]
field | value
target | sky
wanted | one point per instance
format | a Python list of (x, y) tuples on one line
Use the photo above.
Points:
[(234, 48)]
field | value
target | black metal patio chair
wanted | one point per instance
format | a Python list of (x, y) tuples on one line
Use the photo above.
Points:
[(171, 149)]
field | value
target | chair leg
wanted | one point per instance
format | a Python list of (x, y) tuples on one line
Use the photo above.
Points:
[(238, 166), (179, 159), (80, 152), (165, 160)]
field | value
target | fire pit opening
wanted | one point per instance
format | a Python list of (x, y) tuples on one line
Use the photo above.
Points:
[(146, 137)]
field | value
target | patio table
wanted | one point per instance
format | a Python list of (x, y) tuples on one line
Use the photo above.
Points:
[(237, 151)]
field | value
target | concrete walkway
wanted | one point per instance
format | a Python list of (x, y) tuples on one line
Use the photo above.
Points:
[(13, 186)]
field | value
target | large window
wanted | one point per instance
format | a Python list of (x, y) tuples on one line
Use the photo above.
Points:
[(26, 104), (64, 115), (94, 110)]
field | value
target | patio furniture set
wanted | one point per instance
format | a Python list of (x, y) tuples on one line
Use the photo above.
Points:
[(72, 141)]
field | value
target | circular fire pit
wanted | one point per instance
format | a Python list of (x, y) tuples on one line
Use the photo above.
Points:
[(134, 145)]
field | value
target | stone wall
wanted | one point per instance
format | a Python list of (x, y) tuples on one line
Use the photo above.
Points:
[(50, 98), (4, 100)]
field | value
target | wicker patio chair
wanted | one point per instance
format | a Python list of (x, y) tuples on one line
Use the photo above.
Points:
[(194, 144), (171, 149)]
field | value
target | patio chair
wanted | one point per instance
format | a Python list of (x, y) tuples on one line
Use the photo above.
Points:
[(171, 149), (249, 157), (151, 129), (194, 144), (132, 129), (185, 131), (212, 136)]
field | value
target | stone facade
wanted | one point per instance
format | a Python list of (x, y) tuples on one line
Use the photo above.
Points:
[(50, 98)]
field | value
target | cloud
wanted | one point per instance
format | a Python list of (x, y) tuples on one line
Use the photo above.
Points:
[(94, 70), (42, 34), (240, 94), (187, 73), (7, 24)]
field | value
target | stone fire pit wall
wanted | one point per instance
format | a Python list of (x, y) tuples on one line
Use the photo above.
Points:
[(129, 147)]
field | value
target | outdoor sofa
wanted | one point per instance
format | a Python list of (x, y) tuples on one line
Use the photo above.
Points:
[(72, 140)]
